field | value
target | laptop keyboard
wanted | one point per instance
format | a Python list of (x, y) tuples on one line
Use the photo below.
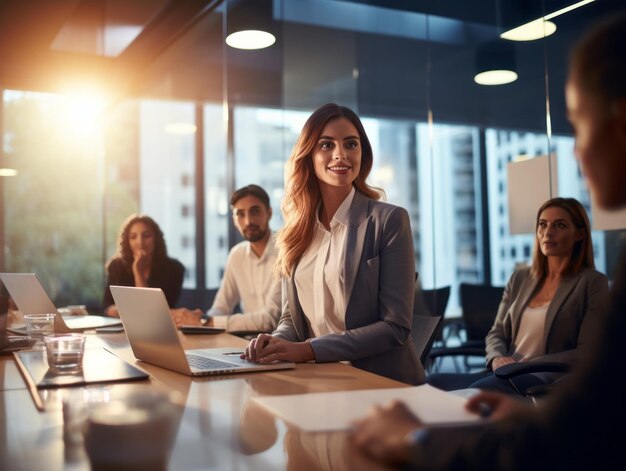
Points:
[(203, 363)]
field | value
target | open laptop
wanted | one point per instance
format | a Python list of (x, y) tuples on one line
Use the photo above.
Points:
[(31, 298), (10, 343), (154, 338)]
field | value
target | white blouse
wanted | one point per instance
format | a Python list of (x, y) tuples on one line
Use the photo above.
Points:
[(319, 275)]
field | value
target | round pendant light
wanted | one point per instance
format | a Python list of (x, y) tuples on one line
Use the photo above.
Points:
[(249, 24), (250, 39), (495, 63)]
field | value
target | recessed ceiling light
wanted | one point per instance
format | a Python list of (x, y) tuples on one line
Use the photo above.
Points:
[(250, 39), (495, 77)]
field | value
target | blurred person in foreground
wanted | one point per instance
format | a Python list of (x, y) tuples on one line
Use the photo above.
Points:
[(580, 425)]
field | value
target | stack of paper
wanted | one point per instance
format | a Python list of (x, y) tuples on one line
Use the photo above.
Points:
[(316, 412)]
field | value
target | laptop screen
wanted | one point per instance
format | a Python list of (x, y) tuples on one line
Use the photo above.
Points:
[(28, 293), (4, 309)]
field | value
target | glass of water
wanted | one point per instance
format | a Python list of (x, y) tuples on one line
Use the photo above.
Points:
[(38, 326), (65, 352)]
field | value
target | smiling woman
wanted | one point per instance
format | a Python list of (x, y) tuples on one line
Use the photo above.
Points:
[(337, 160), (347, 258)]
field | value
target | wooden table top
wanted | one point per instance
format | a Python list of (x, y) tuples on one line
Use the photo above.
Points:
[(218, 428)]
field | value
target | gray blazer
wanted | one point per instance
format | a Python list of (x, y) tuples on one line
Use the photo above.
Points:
[(379, 274), (572, 319)]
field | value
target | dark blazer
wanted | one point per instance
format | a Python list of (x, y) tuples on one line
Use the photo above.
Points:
[(167, 275), (572, 318), (379, 273), (579, 427)]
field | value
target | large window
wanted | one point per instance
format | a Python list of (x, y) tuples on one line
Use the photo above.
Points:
[(263, 141), (502, 148), (53, 206), (188, 120), (167, 176), (216, 199)]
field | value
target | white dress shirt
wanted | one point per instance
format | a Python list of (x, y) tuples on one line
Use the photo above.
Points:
[(319, 275), (251, 282)]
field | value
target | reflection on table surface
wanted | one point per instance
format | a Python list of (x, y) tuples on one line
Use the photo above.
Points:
[(218, 427)]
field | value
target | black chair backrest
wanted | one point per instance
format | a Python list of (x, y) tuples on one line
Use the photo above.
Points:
[(480, 306), (423, 331), (436, 300)]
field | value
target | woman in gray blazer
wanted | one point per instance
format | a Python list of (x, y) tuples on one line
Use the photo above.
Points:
[(346, 258), (551, 310)]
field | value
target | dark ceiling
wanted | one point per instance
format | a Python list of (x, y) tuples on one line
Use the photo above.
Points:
[(178, 53)]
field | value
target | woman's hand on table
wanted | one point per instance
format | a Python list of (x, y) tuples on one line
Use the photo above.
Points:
[(267, 349)]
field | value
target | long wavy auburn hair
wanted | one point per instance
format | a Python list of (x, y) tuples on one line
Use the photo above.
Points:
[(302, 191)]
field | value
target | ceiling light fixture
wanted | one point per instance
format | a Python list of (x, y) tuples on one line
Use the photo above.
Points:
[(495, 63), (250, 39), (8, 172), (249, 24), (531, 31), (495, 77), (540, 27), (180, 129)]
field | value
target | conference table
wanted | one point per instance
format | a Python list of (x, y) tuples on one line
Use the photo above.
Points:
[(218, 426)]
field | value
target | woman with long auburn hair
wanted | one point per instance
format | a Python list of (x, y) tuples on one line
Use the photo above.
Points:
[(346, 259)]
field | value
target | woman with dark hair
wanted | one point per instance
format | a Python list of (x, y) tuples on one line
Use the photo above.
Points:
[(142, 261), (549, 311), (346, 258)]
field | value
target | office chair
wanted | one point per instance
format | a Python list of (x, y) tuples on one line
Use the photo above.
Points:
[(424, 329), (513, 370), (480, 306), (428, 309), (436, 300), (432, 303)]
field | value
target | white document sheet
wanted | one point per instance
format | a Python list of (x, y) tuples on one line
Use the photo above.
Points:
[(317, 412)]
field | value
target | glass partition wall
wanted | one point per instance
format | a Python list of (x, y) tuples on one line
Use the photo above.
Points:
[(178, 120)]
